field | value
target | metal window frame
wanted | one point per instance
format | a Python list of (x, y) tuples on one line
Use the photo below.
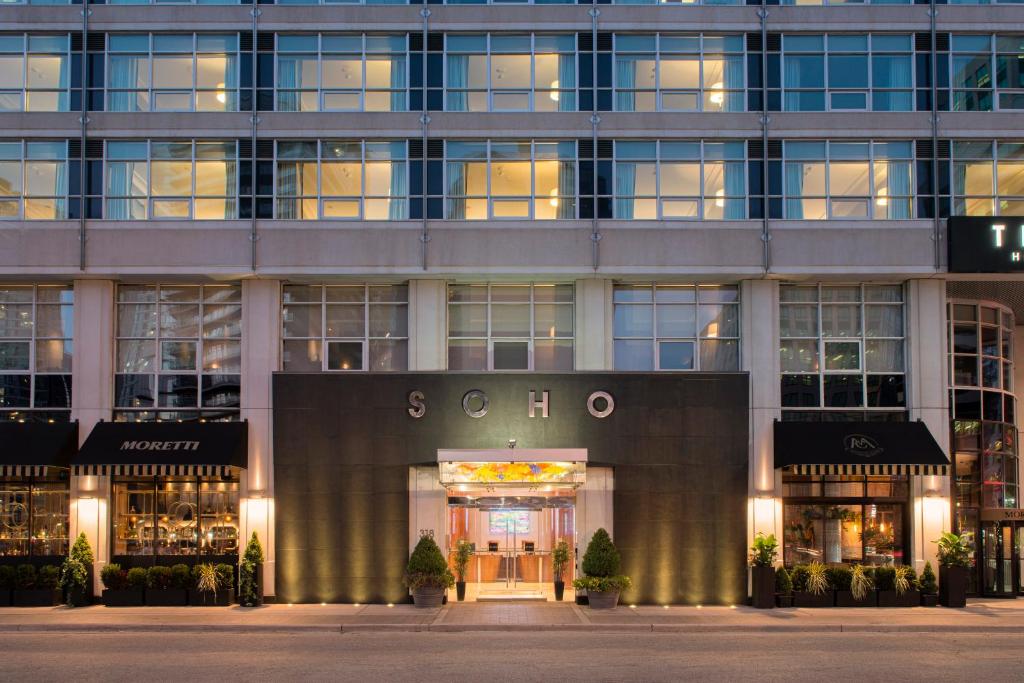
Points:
[(33, 339), (25, 54)]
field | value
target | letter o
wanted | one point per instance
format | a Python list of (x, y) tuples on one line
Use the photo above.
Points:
[(484, 403), (609, 407)]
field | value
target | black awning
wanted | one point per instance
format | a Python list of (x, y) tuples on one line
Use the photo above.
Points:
[(883, 448), (163, 448), (32, 448)]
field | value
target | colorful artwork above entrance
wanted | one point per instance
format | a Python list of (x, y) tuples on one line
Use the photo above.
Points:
[(572, 473)]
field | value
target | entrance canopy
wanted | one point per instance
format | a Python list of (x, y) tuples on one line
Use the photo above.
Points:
[(858, 448), (163, 448), (33, 448), (528, 467)]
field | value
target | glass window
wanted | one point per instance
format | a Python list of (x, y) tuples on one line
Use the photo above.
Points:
[(34, 72), (33, 180), (676, 327), (842, 346), (511, 327), (33, 517), (988, 178), (679, 180), (985, 72), (178, 352), (35, 352)]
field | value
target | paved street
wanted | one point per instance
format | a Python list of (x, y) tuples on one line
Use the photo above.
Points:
[(550, 657)]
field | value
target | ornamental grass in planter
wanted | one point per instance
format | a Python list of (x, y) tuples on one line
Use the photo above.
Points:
[(897, 586), (783, 588), (6, 584), (117, 591), (811, 587), (601, 579), (213, 585), (929, 586), (762, 571), (854, 586), (36, 588), (954, 564), (427, 574), (167, 586)]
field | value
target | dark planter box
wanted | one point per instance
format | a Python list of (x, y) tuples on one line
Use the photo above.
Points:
[(460, 590), (123, 597), (845, 599), (224, 598), (37, 597), (79, 598), (894, 599), (929, 600), (559, 590), (5, 597), (762, 581), (169, 597), (805, 599), (953, 586), (783, 600)]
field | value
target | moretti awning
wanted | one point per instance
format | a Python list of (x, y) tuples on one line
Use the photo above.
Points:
[(163, 449), (860, 448), (36, 448)]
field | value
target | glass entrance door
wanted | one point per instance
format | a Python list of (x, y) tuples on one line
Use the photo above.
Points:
[(1001, 568)]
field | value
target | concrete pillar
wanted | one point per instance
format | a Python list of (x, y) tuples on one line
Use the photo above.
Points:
[(594, 311), (759, 334), (261, 356), (595, 509), (928, 401), (92, 400), (428, 325), (1018, 391)]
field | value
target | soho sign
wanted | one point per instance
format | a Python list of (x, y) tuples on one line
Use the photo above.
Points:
[(476, 404)]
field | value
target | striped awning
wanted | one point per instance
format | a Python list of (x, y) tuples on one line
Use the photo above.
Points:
[(26, 470), (152, 470), (870, 470)]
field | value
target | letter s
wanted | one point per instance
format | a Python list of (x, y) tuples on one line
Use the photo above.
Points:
[(419, 408)]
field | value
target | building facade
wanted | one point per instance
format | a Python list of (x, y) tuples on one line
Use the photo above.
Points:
[(509, 273)]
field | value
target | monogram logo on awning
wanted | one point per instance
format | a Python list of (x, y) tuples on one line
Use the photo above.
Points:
[(862, 446)]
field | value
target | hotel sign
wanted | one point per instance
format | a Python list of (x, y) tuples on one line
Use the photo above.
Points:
[(986, 244), (1002, 515)]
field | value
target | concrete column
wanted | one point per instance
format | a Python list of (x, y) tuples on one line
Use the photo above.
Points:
[(1018, 391), (928, 401), (595, 509), (261, 356), (759, 334), (428, 325), (594, 311), (92, 400)]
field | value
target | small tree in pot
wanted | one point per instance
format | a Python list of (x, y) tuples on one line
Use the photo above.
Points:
[(463, 554), (559, 561), (76, 573), (250, 574), (954, 565), (783, 588), (427, 574), (929, 586), (601, 579), (762, 570)]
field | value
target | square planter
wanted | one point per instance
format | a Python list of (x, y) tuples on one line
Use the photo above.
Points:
[(762, 581), (929, 600), (894, 599), (37, 597), (123, 597), (953, 586), (805, 599), (224, 598), (5, 597), (170, 597), (845, 599), (79, 598), (783, 600)]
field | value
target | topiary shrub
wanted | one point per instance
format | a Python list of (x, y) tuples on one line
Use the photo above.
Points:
[(799, 576), (158, 578), (113, 577), (783, 584), (601, 564), (25, 578), (136, 577), (48, 577), (181, 576), (427, 567), (929, 584), (840, 577), (82, 551), (885, 578), (248, 590), (74, 577)]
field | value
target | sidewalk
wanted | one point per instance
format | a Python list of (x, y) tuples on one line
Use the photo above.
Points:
[(980, 616)]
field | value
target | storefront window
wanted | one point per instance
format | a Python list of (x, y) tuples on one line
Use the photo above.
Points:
[(175, 516), (33, 518)]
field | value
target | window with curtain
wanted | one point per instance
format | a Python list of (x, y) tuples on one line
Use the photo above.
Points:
[(674, 180), (342, 72), (985, 72), (34, 72), (510, 180), (847, 72), (500, 72), (679, 72), (847, 180), (511, 327), (988, 178), (179, 352), (33, 180), (842, 347), (158, 180), (341, 180), (35, 352), (345, 328), (676, 327)]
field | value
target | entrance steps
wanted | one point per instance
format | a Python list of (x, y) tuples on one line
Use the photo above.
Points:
[(511, 596)]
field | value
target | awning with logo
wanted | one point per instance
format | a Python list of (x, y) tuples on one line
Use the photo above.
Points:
[(148, 449), (858, 448), (36, 448)]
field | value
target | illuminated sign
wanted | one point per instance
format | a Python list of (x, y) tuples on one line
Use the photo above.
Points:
[(993, 244)]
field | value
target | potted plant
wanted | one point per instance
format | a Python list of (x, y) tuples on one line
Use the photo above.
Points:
[(559, 562), (463, 553), (6, 584), (601, 579), (762, 570), (214, 585), (811, 586), (908, 593), (929, 587), (161, 590), (783, 588), (76, 573), (250, 574), (116, 590), (854, 586), (37, 588), (427, 574), (954, 564)]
